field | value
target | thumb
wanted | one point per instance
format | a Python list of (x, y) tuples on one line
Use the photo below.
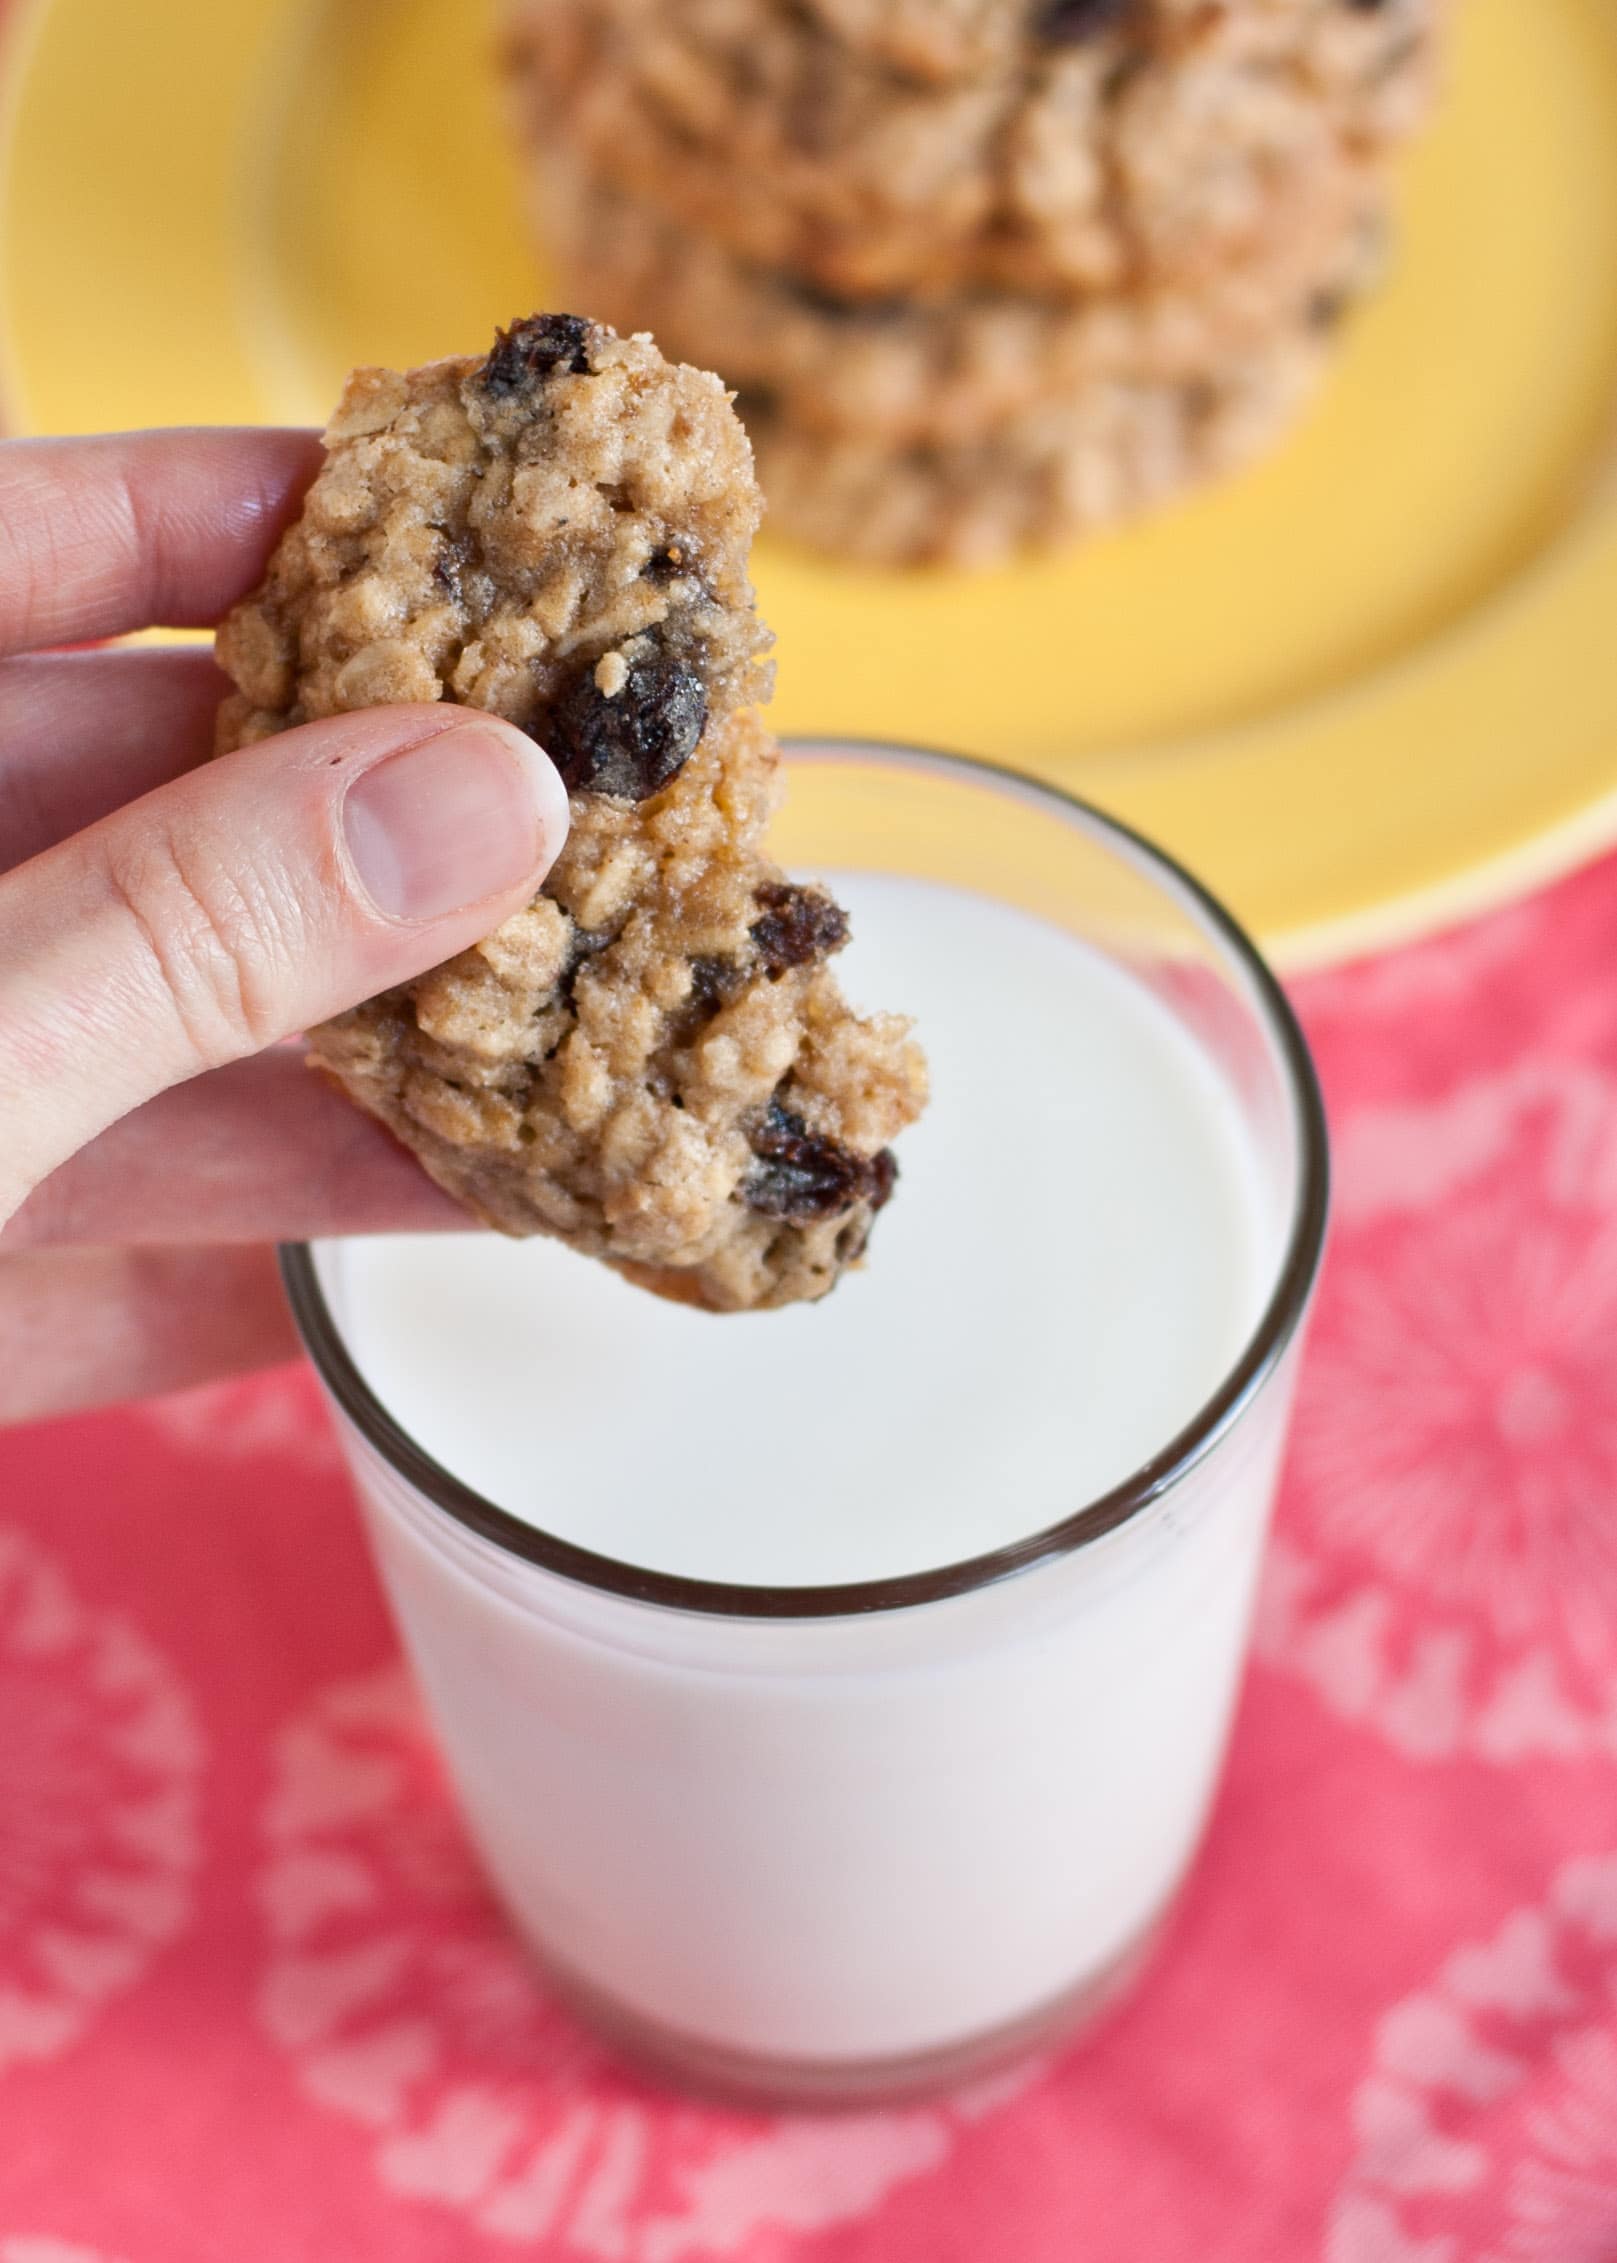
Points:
[(249, 899)]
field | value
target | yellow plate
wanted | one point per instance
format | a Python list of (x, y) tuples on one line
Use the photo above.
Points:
[(1365, 688)]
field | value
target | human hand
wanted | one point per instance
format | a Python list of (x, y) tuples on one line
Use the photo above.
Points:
[(165, 919)]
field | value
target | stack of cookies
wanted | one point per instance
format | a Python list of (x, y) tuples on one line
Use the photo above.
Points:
[(985, 273)]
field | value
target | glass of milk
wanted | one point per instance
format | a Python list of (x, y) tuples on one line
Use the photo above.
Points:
[(837, 1695)]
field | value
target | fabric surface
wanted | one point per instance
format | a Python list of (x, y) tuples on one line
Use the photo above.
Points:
[(255, 2004)]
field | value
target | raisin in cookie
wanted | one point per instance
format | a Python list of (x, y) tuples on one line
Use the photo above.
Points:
[(653, 1061), (945, 372), (1108, 147), (1048, 475)]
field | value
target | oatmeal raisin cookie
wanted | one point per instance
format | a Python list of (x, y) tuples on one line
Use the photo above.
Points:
[(941, 372), (1103, 146), (1115, 448), (653, 1061)]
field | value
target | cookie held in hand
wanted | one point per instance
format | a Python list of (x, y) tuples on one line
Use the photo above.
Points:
[(653, 1062)]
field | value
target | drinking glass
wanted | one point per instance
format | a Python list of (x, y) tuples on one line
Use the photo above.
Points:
[(845, 1843)]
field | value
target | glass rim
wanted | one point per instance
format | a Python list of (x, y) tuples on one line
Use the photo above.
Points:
[(1218, 1415)]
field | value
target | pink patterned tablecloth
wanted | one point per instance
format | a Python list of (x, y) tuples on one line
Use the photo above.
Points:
[(255, 2006)]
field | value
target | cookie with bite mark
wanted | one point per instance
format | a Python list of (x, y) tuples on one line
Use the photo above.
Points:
[(653, 1061)]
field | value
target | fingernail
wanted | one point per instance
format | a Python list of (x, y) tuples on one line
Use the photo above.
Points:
[(472, 812)]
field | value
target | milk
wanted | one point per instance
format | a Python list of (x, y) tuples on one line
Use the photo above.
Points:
[(1076, 1253), (818, 1852)]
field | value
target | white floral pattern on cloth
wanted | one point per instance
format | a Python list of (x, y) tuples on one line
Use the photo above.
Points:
[(99, 1824), (1445, 1570), (407, 2007), (1487, 2126), (248, 1417)]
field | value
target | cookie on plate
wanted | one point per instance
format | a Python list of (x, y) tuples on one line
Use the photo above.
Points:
[(938, 371), (1047, 475), (1108, 145), (653, 1061)]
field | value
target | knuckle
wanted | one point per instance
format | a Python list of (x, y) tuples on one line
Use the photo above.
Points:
[(30, 562), (215, 938), (70, 533)]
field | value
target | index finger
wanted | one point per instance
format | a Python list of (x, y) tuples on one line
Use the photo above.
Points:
[(134, 530)]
